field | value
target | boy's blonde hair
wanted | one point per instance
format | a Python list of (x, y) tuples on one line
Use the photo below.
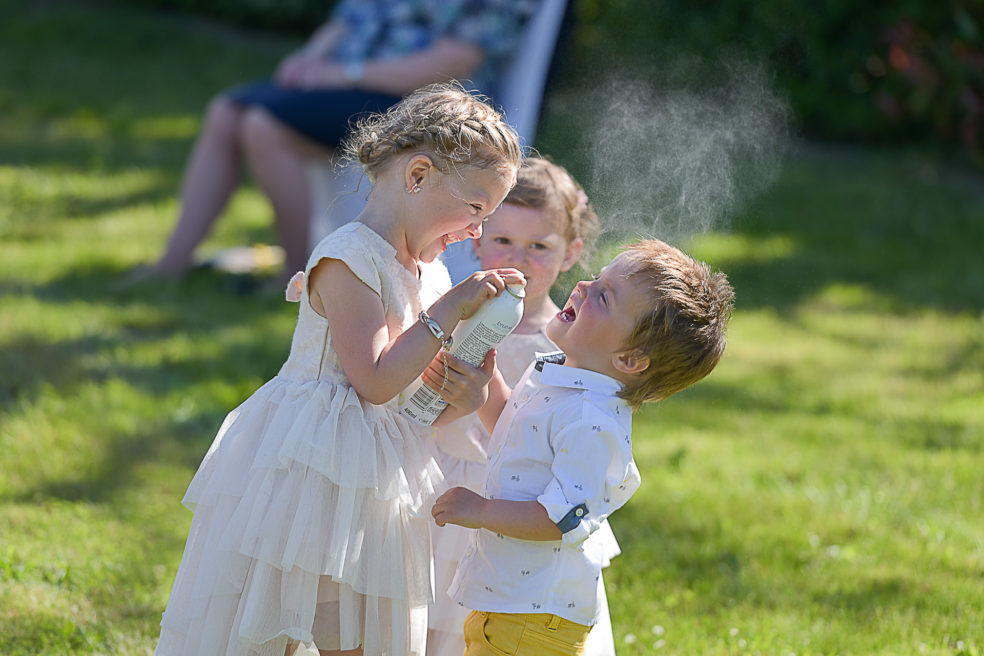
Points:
[(455, 126), (683, 332), (544, 185)]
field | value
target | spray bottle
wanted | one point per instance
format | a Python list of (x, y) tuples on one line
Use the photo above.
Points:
[(471, 341)]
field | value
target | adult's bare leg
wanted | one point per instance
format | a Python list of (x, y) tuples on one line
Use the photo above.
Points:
[(278, 157), (210, 177)]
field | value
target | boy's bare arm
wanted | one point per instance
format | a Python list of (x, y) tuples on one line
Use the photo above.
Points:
[(525, 520)]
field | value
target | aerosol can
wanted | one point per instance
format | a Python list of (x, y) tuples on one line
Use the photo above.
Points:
[(471, 341)]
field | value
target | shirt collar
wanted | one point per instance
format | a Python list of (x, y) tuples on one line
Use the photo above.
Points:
[(561, 376), (556, 357)]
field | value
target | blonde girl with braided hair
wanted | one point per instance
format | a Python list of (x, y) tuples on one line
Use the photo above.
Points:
[(311, 527)]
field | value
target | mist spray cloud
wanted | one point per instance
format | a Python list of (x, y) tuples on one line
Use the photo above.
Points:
[(670, 160)]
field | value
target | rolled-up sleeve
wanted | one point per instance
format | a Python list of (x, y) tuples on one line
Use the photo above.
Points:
[(593, 475)]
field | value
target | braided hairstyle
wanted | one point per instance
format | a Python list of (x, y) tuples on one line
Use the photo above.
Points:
[(546, 186), (455, 126)]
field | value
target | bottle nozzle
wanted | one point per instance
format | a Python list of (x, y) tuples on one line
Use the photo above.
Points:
[(519, 291)]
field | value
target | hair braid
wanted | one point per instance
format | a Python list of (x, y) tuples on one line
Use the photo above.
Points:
[(457, 127)]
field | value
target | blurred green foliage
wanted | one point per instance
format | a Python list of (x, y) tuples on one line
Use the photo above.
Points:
[(907, 70), (296, 16), (851, 71)]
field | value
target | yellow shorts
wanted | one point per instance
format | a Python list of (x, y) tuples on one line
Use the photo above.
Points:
[(522, 634)]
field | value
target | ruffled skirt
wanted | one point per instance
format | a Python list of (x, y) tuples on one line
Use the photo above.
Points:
[(312, 520)]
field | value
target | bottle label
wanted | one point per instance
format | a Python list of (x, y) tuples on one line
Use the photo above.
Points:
[(472, 341), (427, 401), (476, 344)]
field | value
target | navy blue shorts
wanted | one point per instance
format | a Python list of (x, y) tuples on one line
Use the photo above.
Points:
[(320, 115)]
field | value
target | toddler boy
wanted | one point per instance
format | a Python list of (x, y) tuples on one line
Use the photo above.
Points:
[(651, 324)]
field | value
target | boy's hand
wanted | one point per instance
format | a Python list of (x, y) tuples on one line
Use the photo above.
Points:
[(459, 506)]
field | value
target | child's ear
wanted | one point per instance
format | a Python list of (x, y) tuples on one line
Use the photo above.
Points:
[(417, 170), (630, 362), (574, 248)]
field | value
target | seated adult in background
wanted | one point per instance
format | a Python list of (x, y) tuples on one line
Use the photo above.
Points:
[(365, 58)]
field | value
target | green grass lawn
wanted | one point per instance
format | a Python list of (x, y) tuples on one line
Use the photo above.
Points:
[(820, 493)]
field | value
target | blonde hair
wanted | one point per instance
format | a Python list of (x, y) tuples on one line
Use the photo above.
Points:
[(683, 332), (455, 126), (544, 185)]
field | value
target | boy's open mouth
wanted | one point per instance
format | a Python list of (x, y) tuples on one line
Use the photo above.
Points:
[(567, 314)]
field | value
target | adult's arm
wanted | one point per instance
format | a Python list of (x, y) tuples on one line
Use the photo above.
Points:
[(324, 38), (447, 59), (297, 66)]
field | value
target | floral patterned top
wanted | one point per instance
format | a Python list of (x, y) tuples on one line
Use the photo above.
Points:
[(384, 29)]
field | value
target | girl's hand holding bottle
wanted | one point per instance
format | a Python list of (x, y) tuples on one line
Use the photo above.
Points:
[(464, 299), (465, 388), (470, 372)]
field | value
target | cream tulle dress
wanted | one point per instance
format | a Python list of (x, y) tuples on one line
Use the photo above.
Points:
[(463, 446), (312, 506)]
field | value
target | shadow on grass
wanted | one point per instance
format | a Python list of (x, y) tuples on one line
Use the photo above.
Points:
[(147, 315), (905, 227), (718, 568), (120, 456), (25, 634), (771, 400), (147, 312), (101, 91), (873, 596), (686, 553)]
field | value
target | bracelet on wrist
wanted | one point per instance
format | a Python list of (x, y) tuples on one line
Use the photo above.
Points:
[(435, 330)]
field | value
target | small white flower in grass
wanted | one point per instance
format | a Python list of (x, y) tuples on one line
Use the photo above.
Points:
[(659, 644), (734, 631), (742, 644), (833, 550), (814, 540), (658, 630), (630, 639)]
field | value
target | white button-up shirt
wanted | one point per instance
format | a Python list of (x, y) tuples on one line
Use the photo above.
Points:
[(563, 439)]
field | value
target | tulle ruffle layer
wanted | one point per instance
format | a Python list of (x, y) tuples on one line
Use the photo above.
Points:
[(311, 520)]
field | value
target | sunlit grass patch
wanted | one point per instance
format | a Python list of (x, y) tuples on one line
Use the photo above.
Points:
[(819, 493)]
